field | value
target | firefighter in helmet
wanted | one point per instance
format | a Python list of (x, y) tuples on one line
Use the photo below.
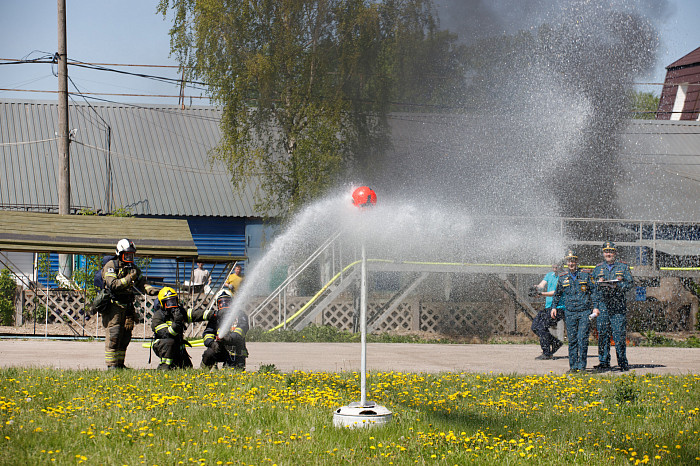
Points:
[(225, 346), (122, 278), (169, 323)]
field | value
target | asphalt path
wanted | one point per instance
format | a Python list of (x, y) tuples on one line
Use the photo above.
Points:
[(337, 357)]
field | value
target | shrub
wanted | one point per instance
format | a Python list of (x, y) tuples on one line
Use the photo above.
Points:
[(8, 289)]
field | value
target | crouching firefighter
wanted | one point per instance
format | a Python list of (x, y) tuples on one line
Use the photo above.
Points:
[(121, 279), (228, 348), (169, 323)]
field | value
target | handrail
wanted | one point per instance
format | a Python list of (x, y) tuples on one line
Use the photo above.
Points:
[(282, 286), (314, 297)]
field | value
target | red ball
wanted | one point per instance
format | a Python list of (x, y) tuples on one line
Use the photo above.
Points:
[(363, 197)]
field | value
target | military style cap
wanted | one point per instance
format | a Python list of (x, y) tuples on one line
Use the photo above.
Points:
[(609, 246), (570, 254)]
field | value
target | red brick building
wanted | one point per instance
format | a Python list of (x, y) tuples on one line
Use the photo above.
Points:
[(680, 98)]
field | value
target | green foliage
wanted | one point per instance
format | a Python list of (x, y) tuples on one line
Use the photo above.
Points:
[(118, 212), (328, 334), (652, 338), (644, 105), (44, 267), (84, 276), (268, 369), (305, 86), (8, 288), (626, 389)]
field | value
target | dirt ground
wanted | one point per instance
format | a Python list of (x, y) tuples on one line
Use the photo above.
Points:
[(17, 350)]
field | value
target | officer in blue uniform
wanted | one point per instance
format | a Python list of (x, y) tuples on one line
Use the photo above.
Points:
[(613, 279), (576, 289)]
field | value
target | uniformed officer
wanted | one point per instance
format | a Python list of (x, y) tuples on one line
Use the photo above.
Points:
[(575, 288), (121, 279), (613, 279)]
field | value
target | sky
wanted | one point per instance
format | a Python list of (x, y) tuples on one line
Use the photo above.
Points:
[(130, 32)]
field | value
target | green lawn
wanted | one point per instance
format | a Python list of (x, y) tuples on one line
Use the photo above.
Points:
[(223, 417)]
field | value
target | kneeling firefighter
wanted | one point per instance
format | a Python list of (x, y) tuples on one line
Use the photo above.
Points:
[(230, 348), (169, 323)]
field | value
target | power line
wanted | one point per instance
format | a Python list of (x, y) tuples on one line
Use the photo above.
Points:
[(103, 93), (170, 166), (139, 75), (78, 63), (89, 63), (24, 143)]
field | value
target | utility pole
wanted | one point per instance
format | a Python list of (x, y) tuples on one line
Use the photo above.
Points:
[(63, 131)]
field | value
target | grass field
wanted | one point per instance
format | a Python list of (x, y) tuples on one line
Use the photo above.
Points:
[(223, 417)]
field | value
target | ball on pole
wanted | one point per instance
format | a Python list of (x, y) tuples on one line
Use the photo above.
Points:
[(364, 197)]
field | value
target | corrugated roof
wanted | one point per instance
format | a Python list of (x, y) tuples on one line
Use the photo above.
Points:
[(662, 162), (661, 159), (90, 234), (160, 159), (161, 163)]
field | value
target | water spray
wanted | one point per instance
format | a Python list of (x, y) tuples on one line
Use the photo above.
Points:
[(365, 413)]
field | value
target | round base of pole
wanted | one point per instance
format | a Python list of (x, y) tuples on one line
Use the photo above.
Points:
[(356, 416)]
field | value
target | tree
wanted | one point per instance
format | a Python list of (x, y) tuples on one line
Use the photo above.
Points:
[(305, 85), (8, 291), (644, 105)]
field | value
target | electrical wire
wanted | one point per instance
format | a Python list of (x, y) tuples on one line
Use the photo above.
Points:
[(22, 143), (104, 93), (153, 163)]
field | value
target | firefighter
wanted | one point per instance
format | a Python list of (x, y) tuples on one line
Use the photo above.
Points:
[(121, 278), (169, 323), (229, 348)]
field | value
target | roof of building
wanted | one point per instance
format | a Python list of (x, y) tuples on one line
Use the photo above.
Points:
[(662, 164), (161, 163), (661, 160), (159, 158), (91, 234), (693, 58)]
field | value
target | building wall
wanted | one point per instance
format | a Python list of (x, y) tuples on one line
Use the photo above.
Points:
[(680, 98), (213, 236)]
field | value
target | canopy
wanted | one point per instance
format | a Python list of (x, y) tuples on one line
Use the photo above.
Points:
[(94, 235)]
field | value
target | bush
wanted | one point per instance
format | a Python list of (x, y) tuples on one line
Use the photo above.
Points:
[(8, 289)]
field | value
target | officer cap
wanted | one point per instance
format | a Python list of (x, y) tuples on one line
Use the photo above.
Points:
[(571, 254), (609, 246)]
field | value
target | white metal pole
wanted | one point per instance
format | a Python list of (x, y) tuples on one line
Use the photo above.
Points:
[(363, 327), (46, 320)]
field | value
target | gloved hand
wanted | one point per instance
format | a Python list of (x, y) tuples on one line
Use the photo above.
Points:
[(152, 290), (129, 324), (178, 316), (215, 346), (130, 277), (226, 340)]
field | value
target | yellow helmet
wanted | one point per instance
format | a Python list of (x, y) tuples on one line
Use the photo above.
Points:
[(167, 298)]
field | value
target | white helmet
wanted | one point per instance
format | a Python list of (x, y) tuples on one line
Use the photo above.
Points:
[(126, 250), (223, 299)]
